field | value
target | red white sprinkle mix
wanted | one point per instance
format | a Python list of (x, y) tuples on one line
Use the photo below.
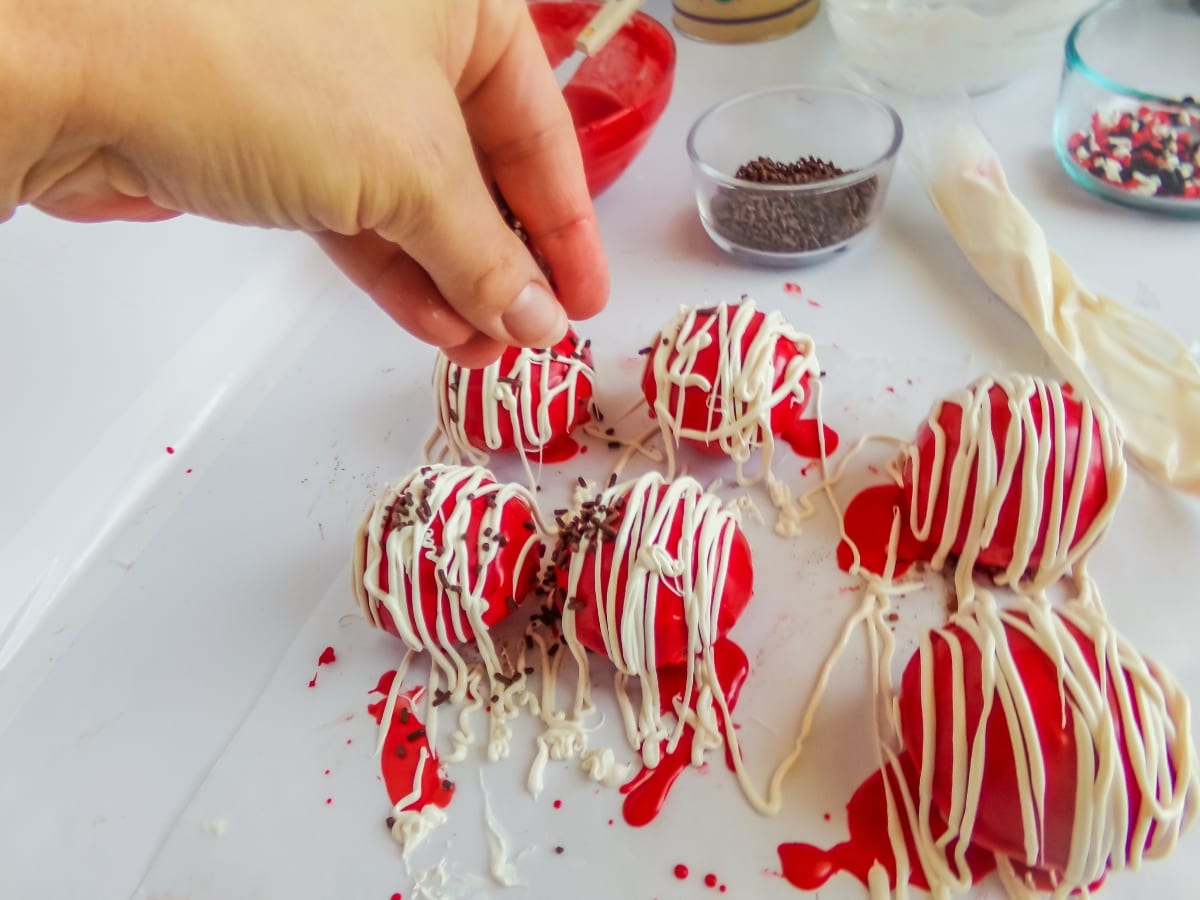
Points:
[(1151, 152)]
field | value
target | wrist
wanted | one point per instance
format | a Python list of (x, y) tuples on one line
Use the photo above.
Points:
[(40, 93)]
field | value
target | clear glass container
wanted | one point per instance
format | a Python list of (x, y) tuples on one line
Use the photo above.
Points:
[(1127, 126), (793, 224), (947, 46)]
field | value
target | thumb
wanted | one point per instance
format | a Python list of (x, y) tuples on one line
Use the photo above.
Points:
[(454, 230)]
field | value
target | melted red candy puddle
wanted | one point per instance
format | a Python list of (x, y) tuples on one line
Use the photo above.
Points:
[(647, 791), (327, 656), (402, 749), (869, 524), (808, 867), (589, 104), (804, 437), (560, 451)]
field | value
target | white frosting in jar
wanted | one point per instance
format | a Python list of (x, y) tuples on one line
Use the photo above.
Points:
[(942, 46)]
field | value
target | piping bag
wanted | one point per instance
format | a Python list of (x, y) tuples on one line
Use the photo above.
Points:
[(1143, 375)]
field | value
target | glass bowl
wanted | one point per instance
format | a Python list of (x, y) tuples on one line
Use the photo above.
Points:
[(1127, 127), (618, 95), (788, 224), (946, 46)]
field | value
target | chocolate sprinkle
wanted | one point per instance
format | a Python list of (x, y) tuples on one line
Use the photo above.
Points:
[(775, 221), (415, 735)]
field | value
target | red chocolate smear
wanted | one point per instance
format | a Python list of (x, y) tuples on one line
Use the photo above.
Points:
[(646, 793), (559, 451), (808, 867), (327, 657), (804, 437), (402, 749), (869, 525)]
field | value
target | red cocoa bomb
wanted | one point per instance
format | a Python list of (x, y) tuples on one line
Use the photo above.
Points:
[(727, 378), (528, 402), (1030, 429), (1083, 716), (444, 553), (653, 544)]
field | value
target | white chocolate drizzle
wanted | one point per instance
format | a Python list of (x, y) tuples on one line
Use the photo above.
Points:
[(503, 872), (987, 462), (407, 511), (506, 391), (743, 390)]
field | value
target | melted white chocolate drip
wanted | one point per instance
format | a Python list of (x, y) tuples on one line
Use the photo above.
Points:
[(986, 462), (742, 391), (507, 391), (459, 588), (1149, 710)]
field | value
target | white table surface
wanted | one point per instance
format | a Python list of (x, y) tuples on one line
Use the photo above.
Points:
[(165, 622)]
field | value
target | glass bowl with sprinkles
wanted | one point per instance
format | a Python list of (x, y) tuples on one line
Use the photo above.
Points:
[(789, 175), (1127, 126)]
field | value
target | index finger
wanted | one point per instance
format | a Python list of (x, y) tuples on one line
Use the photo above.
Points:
[(520, 124)]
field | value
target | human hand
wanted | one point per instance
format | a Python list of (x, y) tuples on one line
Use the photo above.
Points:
[(375, 125)]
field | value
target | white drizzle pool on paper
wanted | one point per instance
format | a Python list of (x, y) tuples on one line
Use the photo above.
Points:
[(742, 392)]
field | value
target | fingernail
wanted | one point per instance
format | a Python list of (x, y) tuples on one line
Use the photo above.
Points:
[(535, 317)]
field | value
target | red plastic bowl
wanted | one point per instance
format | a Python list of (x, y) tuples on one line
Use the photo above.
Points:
[(618, 95)]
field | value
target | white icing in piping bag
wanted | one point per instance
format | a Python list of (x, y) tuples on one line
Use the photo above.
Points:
[(1143, 374)]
